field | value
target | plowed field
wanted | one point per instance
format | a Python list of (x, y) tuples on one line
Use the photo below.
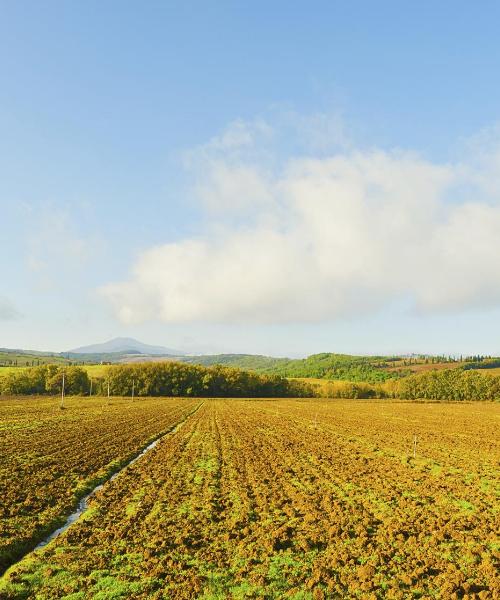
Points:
[(291, 499), (50, 457)]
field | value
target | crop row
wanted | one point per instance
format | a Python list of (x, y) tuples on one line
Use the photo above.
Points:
[(281, 499), (50, 457)]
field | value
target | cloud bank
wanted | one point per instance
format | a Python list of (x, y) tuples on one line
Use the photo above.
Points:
[(323, 235)]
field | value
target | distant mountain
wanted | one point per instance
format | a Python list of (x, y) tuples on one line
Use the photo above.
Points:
[(125, 346)]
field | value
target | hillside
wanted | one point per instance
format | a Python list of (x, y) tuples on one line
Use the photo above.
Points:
[(117, 350), (325, 366), (371, 369), (28, 358), (346, 367)]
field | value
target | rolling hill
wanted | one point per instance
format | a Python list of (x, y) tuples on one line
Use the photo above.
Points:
[(125, 346), (326, 365)]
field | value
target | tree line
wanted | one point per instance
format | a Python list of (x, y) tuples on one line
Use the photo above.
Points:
[(153, 379), (459, 384), (182, 379), (45, 379), (450, 384)]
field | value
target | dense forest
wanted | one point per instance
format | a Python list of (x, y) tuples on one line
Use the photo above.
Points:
[(153, 379)]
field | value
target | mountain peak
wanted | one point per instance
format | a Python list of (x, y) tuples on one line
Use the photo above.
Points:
[(125, 345)]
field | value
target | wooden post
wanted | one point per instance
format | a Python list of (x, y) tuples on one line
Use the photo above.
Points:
[(414, 446)]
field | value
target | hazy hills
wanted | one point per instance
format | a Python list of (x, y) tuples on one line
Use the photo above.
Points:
[(326, 365), (125, 345)]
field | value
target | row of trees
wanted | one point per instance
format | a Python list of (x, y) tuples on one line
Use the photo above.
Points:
[(46, 379), (153, 379), (349, 389), (449, 384), (490, 363), (181, 379)]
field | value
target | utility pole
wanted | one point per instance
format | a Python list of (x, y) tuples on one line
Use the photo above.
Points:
[(61, 406)]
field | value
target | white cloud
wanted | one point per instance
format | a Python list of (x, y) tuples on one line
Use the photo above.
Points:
[(239, 134), (8, 311), (238, 138), (319, 133), (317, 238), (234, 188)]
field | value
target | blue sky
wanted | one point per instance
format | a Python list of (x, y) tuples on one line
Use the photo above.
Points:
[(204, 175)]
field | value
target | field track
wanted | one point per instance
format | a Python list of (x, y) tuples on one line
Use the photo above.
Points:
[(299, 499)]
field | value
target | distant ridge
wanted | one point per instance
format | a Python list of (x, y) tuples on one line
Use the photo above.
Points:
[(125, 346)]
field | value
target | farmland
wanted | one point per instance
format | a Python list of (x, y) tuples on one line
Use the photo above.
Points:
[(50, 457), (280, 498)]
